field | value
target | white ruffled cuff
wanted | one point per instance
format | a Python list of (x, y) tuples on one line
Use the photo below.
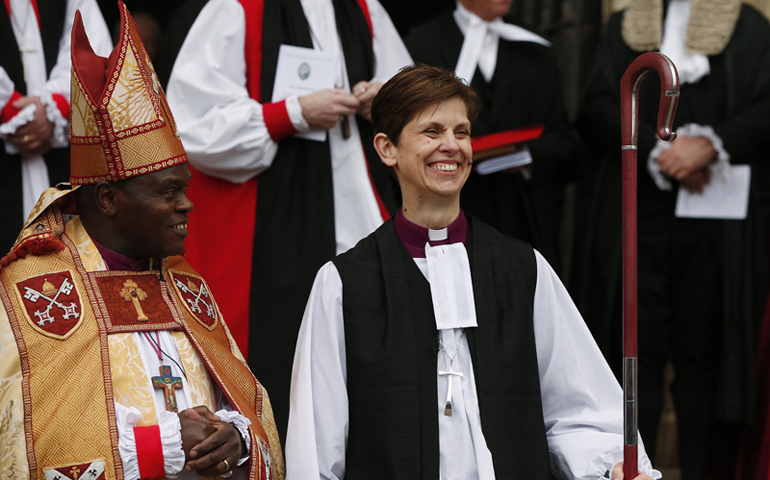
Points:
[(242, 424), (26, 115), (127, 418), (294, 109), (61, 126), (170, 438), (720, 169)]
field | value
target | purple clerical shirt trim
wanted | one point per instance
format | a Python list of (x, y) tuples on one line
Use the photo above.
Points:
[(415, 236), (116, 261)]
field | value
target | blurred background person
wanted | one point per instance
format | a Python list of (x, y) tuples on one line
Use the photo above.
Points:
[(506, 64), (310, 199), (702, 280), (34, 100)]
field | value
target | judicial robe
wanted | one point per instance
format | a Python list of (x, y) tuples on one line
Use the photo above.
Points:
[(364, 386), (735, 100), (524, 91), (287, 226), (754, 455)]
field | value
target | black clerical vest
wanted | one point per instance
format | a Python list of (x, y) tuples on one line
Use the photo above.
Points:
[(294, 234), (391, 344), (52, 15)]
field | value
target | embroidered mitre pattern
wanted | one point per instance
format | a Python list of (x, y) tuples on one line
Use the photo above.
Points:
[(121, 123)]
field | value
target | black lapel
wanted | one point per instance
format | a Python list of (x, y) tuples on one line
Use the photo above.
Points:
[(52, 14), (10, 59), (451, 42)]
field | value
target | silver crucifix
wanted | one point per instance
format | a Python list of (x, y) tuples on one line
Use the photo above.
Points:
[(448, 409)]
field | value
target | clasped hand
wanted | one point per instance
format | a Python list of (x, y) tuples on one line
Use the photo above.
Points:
[(688, 161), (207, 441), (33, 138), (324, 108)]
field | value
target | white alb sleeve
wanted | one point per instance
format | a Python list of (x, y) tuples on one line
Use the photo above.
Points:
[(170, 438), (390, 53), (582, 400), (223, 130), (6, 88), (316, 440)]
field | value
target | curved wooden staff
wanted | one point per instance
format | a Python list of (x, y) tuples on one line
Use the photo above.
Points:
[(629, 112)]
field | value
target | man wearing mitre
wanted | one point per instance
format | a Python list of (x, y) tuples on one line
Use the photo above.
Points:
[(117, 362)]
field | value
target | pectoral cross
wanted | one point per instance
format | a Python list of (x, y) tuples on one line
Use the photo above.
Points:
[(168, 383), (22, 50), (449, 374), (132, 293)]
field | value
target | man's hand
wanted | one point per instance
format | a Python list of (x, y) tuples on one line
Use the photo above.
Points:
[(33, 138), (365, 93), (686, 156), (197, 425), (224, 443), (324, 108), (696, 181), (617, 474)]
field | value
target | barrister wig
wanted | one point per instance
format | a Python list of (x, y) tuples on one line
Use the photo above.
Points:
[(710, 28)]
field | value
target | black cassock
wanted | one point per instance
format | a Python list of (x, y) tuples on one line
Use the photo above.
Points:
[(525, 90)]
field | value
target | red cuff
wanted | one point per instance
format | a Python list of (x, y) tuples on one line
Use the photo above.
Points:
[(149, 452), (62, 104), (9, 111), (277, 120)]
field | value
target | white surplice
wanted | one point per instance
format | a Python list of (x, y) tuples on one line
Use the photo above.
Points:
[(582, 401), (223, 129), (39, 84)]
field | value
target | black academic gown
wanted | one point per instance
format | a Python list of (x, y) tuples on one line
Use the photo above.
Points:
[(525, 90), (57, 159), (735, 100)]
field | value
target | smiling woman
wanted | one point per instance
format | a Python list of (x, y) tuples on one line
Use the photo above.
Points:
[(423, 122)]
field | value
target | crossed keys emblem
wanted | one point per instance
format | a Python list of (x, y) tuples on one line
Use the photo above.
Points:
[(199, 294), (51, 294)]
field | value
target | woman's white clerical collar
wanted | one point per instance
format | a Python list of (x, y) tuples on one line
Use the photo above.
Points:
[(438, 235)]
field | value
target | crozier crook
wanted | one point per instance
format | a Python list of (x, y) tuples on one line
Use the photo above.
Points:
[(629, 112)]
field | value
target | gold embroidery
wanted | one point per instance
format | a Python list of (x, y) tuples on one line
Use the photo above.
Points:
[(132, 293)]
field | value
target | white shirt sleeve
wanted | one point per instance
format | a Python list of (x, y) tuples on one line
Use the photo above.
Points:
[(6, 88), (390, 53), (170, 438), (582, 400), (222, 128), (60, 79), (585, 433), (316, 440)]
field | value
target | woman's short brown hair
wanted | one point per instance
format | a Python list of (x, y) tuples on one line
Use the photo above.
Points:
[(411, 90)]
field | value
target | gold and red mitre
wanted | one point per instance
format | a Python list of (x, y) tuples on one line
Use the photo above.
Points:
[(121, 124)]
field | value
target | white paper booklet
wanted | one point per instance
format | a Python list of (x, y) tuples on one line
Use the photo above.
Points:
[(726, 200), (301, 71)]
